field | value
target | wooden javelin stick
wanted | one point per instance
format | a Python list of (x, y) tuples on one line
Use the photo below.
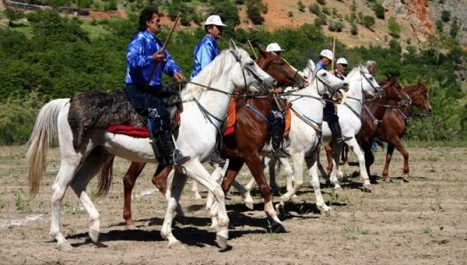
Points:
[(333, 53), (251, 47), (153, 72)]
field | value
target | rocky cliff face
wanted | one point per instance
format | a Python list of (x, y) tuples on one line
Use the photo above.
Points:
[(423, 14)]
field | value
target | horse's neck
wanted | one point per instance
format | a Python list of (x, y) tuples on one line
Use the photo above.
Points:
[(378, 109), (216, 103), (310, 105), (354, 97)]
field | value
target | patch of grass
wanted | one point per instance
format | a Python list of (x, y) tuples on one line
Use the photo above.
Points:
[(426, 230), (21, 204)]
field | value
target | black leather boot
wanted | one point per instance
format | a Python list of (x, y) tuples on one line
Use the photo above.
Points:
[(215, 156), (337, 139), (172, 156), (157, 148), (277, 134)]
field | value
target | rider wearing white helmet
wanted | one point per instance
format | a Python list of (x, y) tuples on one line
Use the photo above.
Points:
[(341, 66), (330, 111), (276, 118)]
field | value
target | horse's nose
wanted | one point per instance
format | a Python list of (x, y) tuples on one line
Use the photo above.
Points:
[(345, 86)]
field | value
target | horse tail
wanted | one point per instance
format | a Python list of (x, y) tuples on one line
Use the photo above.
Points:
[(44, 132), (105, 177)]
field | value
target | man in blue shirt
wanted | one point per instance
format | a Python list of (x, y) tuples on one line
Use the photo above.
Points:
[(144, 53), (329, 111), (204, 53)]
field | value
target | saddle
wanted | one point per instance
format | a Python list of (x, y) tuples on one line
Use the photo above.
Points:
[(98, 110)]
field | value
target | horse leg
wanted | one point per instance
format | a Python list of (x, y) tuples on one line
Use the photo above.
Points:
[(352, 143), (254, 164), (217, 175), (235, 164), (195, 190), (162, 179), (329, 156), (129, 181), (389, 153), (312, 164), (269, 164), (196, 170), (65, 175), (369, 158), (176, 187), (89, 168), (297, 162)]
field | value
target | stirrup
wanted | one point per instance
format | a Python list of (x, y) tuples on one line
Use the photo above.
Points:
[(178, 158), (279, 153), (215, 158)]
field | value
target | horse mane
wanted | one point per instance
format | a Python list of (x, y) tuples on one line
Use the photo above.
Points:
[(210, 74), (355, 70), (410, 89)]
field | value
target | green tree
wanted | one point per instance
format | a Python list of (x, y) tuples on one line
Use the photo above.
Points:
[(379, 10)]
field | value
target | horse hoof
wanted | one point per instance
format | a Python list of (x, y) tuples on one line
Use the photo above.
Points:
[(389, 180), (176, 245), (367, 187), (64, 246), (222, 243), (406, 180), (326, 210), (338, 188), (94, 235), (277, 228), (131, 227), (249, 205)]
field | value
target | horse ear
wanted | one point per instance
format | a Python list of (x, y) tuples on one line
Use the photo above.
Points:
[(261, 51), (232, 45), (311, 64)]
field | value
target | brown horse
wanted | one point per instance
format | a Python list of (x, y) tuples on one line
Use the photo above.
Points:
[(241, 147), (371, 116), (394, 125), (391, 128)]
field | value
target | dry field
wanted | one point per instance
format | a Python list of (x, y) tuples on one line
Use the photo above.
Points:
[(421, 222)]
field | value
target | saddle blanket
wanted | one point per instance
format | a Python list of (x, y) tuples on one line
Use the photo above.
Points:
[(139, 132)]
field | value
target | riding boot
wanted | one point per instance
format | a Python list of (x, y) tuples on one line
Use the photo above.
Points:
[(172, 156), (277, 133), (215, 156), (338, 140), (158, 153)]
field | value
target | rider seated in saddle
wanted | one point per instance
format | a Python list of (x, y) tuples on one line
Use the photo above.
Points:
[(144, 86), (204, 53), (341, 66), (330, 111), (276, 118)]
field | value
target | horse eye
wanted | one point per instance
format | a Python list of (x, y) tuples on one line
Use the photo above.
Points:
[(251, 63)]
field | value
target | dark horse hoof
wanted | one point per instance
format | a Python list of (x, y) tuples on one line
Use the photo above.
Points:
[(276, 228)]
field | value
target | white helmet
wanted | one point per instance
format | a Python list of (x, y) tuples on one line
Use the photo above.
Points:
[(214, 20), (274, 47), (341, 61), (328, 54)]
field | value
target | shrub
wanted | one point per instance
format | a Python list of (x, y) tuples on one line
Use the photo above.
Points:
[(445, 16), (394, 28), (315, 9), (301, 6), (368, 21), (379, 10), (353, 29)]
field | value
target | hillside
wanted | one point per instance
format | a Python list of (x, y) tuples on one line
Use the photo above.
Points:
[(416, 18)]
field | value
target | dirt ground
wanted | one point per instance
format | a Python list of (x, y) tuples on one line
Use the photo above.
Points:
[(421, 222)]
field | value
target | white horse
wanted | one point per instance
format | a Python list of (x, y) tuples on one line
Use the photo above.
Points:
[(300, 145), (360, 82), (210, 91)]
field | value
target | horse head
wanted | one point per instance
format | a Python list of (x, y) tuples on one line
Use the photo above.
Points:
[(324, 81), (419, 95), (278, 68), (249, 75), (393, 91), (365, 80)]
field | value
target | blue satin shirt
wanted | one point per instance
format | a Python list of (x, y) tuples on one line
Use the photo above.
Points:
[(204, 53), (140, 63)]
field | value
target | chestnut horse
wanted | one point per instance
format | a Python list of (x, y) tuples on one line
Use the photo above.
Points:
[(394, 125), (244, 145), (391, 128)]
